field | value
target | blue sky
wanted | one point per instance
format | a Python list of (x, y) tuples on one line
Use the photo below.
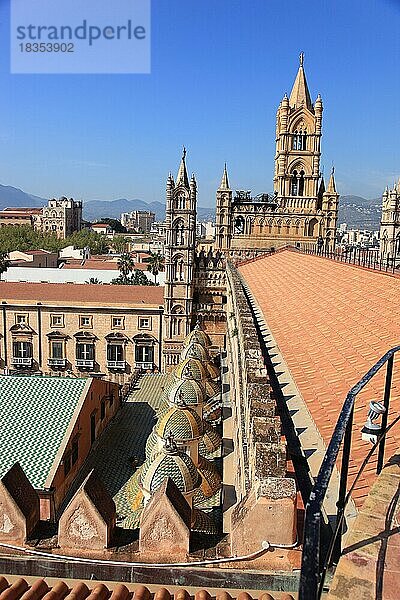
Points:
[(219, 70)]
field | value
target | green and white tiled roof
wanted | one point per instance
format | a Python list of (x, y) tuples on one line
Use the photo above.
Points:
[(35, 413)]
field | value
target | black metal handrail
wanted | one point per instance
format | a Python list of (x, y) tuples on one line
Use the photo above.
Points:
[(314, 561), (369, 258)]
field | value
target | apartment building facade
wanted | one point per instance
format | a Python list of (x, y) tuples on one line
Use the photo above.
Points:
[(85, 330)]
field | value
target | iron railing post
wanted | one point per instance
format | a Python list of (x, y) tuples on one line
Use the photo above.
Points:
[(386, 401), (344, 470), (310, 562)]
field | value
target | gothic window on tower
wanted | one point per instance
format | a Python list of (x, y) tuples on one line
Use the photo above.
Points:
[(179, 270), (294, 184), (299, 140), (301, 183), (179, 234), (181, 202), (239, 225)]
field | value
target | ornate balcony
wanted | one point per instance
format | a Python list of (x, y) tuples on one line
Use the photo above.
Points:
[(144, 366), (82, 363), (21, 362), (118, 365), (57, 362)]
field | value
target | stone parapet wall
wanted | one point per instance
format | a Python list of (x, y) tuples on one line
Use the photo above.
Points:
[(260, 449)]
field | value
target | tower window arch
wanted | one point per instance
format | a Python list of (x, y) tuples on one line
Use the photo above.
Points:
[(299, 139), (179, 234), (239, 225), (301, 183), (178, 269), (180, 202), (294, 188)]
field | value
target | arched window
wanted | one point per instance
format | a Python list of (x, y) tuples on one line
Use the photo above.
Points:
[(239, 225), (301, 184), (299, 139), (179, 233), (295, 184), (181, 202), (294, 140), (312, 226), (179, 269)]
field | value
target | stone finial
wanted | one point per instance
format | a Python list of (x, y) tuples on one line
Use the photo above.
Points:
[(165, 522), (90, 517), (19, 506)]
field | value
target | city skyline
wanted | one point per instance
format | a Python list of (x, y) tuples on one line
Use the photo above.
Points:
[(113, 136)]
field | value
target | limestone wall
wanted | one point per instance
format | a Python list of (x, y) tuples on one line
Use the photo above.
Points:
[(260, 449)]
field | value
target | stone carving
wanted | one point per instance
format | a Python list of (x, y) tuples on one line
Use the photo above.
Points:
[(81, 526)]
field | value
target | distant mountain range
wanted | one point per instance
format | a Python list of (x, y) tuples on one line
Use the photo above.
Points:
[(357, 212)]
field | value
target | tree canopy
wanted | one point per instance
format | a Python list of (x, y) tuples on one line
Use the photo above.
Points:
[(25, 238)]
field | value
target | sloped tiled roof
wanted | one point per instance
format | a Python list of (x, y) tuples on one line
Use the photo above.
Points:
[(35, 413), (332, 321), (64, 294)]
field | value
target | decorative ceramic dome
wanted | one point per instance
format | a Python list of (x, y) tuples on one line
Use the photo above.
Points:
[(211, 440), (212, 371), (211, 479), (174, 464), (212, 387), (191, 368), (188, 391), (152, 444), (183, 423), (195, 350), (199, 336)]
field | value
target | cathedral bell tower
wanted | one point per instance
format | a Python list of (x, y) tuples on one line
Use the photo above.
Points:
[(298, 142), (390, 226), (179, 261), (223, 217)]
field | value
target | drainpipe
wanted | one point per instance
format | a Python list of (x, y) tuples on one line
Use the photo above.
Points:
[(160, 329), (39, 317), (4, 334)]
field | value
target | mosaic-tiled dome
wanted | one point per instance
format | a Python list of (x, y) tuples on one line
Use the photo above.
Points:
[(211, 440), (183, 423), (212, 387), (212, 371), (211, 479), (199, 336), (188, 391), (176, 465), (191, 368), (195, 350), (152, 444)]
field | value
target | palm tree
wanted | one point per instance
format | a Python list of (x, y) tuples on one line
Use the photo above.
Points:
[(93, 281), (125, 266), (156, 264), (4, 264)]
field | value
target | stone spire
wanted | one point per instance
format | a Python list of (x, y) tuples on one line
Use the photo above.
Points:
[(332, 185), (300, 96), (182, 177), (224, 181)]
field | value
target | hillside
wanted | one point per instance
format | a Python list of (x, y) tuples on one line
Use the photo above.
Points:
[(357, 212), (13, 197)]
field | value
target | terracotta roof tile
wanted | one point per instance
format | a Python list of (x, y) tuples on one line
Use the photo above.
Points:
[(39, 589), (332, 322), (66, 294)]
